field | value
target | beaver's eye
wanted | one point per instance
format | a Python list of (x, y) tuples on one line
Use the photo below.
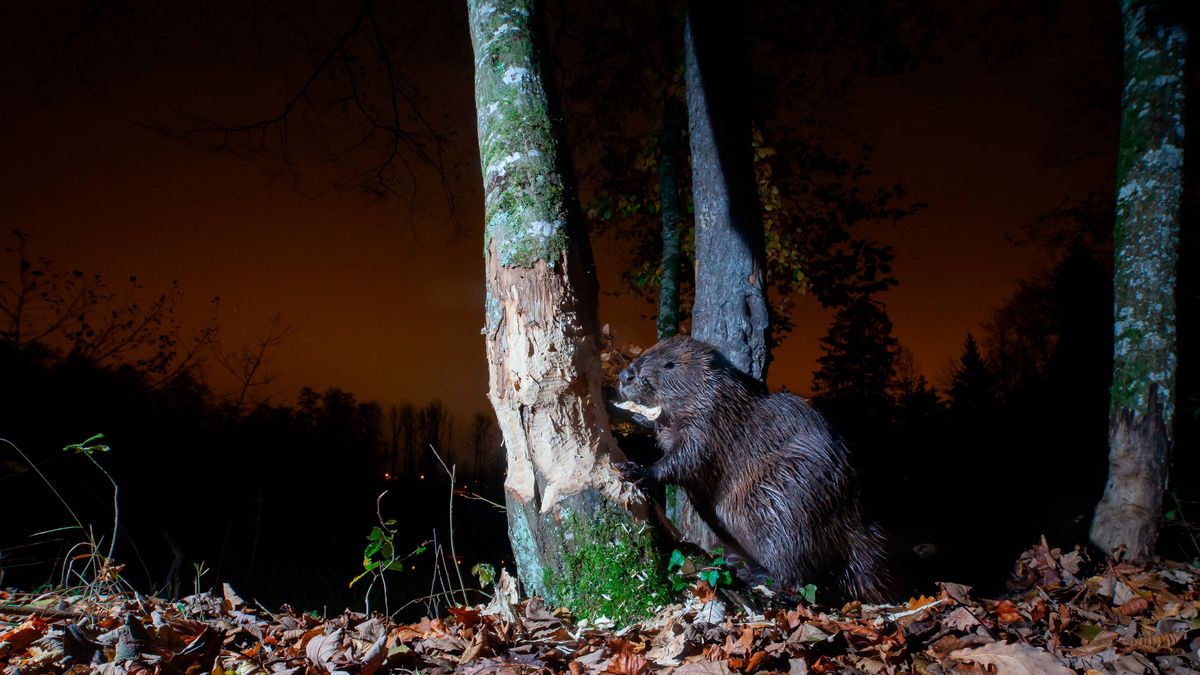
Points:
[(668, 365)]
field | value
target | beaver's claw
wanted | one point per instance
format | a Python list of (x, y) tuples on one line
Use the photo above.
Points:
[(632, 472)]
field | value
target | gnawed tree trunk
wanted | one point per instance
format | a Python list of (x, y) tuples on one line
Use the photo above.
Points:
[(564, 499), (1146, 243), (730, 308)]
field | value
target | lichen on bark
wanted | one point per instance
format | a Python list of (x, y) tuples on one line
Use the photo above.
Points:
[(540, 331), (1146, 235), (525, 208), (1146, 243)]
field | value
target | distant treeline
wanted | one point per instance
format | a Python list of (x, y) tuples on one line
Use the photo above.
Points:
[(275, 499)]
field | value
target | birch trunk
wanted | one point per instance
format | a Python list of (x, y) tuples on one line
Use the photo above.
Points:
[(544, 369), (1146, 242)]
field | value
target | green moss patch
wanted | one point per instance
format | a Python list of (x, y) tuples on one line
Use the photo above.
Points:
[(611, 568)]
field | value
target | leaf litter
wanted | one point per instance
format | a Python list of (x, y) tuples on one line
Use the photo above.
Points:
[(1062, 614)]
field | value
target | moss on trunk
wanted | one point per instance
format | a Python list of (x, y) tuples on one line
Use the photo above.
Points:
[(544, 368), (1146, 243)]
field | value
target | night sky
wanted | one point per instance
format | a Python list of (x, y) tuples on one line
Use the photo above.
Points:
[(386, 296)]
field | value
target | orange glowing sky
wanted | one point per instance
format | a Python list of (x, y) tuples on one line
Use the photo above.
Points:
[(390, 308)]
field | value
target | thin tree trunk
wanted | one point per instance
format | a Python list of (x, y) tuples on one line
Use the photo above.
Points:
[(544, 368), (1146, 244), (730, 309), (668, 181)]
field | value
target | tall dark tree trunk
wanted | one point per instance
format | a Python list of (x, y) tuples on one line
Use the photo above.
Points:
[(730, 309), (1146, 244), (671, 131), (540, 334)]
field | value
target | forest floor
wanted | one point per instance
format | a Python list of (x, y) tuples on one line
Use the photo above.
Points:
[(1062, 614)]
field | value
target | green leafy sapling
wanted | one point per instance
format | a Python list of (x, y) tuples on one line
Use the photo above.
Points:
[(684, 572), (380, 554), (89, 449), (485, 573)]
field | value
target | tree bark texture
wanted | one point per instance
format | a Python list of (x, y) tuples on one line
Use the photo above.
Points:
[(671, 131), (544, 369), (730, 309), (1146, 244)]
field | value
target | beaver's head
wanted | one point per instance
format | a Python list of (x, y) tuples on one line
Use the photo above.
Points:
[(670, 374)]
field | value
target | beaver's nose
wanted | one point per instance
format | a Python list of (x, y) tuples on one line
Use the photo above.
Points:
[(628, 374)]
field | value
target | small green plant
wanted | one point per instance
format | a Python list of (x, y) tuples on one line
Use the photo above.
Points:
[(685, 571), (200, 570), (380, 555), (485, 573), (99, 574), (89, 449)]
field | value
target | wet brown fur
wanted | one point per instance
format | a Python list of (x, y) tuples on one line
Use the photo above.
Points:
[(763, 470)]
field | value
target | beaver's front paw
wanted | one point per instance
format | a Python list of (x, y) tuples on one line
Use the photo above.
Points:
[(632, 472)]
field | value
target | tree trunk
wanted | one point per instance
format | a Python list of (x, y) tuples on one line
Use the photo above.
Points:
[(730, 310), (565, 501), (1146, 243), (668, 181)]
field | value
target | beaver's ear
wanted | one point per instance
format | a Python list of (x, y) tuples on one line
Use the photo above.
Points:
[(715, 359)]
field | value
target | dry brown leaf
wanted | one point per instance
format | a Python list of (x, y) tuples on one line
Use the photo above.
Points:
[(668, 648), (1155, 644), (1135, 605), (16, 639), (373, 658), (757, 659), (1013, 659), (960, 619), (466, 616), (703, 592), (1006, 612), (703, 668), (1102, 641), (323, 650), (627, 663), (915, 603)]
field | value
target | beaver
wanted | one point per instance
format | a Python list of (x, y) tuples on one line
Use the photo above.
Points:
[(763, 470)]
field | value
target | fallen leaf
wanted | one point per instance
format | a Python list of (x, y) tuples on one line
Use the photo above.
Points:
[(322, 650), (1013, 659), (1006, 612), (960, 619), (1135, 605), (703, 668), (757, 659), (627, 663), (1155, 644)]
